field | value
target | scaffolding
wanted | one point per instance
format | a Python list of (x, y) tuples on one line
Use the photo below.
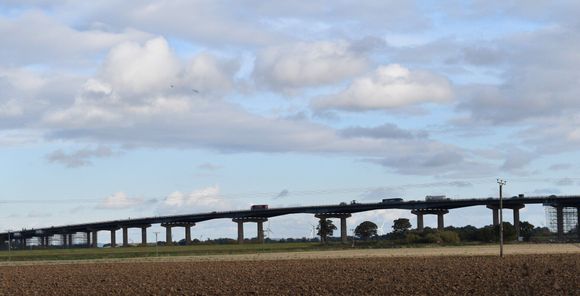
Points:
[(570, 218)]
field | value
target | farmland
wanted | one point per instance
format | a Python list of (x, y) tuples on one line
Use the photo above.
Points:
[(555, 274), (526, 270)]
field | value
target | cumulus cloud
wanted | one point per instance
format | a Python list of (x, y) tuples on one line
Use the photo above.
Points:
[(79, 158), (202, 200), (390, 86), (120, 200), (533, 87), (301, 65), (59, 42)]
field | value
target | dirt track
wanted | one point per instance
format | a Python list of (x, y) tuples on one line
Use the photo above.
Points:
[(435, 275)]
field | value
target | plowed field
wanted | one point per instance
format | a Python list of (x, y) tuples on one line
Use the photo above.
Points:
[(465, 275)]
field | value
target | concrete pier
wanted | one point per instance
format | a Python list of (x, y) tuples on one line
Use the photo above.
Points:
[(188, 234), (168, 235), (88, 238), (420, 222), (144, 236), (113, 238), (64, 240), (560, 221), (516, 213), (495, 214), (168, 230), (435, 211), (343, 232), (95, 240), (260, 231), (440, 221), (343, 224), (125, 236), (240, 232), (260, 227)]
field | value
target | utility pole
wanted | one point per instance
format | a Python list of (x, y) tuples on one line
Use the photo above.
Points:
[(501, 184), (9, 247), (156, 248)]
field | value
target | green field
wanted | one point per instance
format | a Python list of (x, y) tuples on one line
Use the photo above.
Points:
[(152, 251)]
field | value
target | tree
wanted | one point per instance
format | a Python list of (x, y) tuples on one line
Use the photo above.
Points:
[(401, 225), (526, 230), (325, 229), (366, 230)]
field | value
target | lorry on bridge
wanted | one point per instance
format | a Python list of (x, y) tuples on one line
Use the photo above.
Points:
[(387, 200), (259, 207), (436, 198)]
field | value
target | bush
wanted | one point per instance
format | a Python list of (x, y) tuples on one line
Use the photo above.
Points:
[(449, 237), (412, 238)]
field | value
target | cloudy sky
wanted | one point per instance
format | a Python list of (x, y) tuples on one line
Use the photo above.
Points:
[(111, 110)]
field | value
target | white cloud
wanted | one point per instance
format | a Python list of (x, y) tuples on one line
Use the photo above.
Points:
[(137, 70), (389, 86), (120, 200), (198, 201), (291, 67), (23, 44)]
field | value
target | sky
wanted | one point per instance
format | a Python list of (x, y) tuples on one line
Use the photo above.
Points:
[(112, 110)]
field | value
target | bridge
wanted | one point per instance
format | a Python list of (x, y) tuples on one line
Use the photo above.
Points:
[(341, 211)]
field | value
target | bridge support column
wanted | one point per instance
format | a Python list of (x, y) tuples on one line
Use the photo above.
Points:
[(63, 241), (440, 221), (260, 231), (144, 236), (113, 238), (516, 210), (70, 240), (343, 226), (168, 236), (95, 240), (495, 214), (88, 238), (125, 236), (188, 234), (420, 223), (343, 230), (560, 221), (47, 242), (240, 232)]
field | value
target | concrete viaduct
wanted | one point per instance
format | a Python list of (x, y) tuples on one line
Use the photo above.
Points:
[(341, 211)]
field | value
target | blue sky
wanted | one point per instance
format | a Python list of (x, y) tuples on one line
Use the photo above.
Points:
[(144, 108)]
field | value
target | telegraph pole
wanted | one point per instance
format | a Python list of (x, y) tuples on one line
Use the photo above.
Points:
[(156, 248), (9, 247), (501, 184)]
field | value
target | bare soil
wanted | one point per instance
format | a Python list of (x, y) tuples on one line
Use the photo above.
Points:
[(545, 274)]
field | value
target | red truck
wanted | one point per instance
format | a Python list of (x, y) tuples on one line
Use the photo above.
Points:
[(259, 207)]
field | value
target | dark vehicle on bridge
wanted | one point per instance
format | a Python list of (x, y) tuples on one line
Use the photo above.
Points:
[(259, 207), (387, 200)]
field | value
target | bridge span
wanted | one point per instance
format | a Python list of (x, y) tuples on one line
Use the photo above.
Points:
[(341, 211)]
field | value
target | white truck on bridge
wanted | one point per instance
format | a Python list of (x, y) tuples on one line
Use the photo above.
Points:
[(436, 198)]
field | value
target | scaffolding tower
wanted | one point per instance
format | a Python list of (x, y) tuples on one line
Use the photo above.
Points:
[(570, 218)]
